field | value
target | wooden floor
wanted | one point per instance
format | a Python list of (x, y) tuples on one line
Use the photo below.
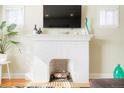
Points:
[(21, 82), (14, 82)]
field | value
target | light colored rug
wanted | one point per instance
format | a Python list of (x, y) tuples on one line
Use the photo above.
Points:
[(59, 83)]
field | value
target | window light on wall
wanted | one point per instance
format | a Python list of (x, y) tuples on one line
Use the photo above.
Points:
[(14, 15), (108, 18)]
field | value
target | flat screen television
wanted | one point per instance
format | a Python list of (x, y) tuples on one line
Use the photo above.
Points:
[(62, 16)]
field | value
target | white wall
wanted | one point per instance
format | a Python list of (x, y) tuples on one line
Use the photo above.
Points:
[(107, 47), (0, 12), (33, 15), (20, 62)]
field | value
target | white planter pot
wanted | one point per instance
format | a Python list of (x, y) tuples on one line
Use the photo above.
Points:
[(3, 58)]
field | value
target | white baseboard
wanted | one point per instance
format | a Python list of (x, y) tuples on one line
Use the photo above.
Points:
[(14, 75), (100, 75), (25, 75)]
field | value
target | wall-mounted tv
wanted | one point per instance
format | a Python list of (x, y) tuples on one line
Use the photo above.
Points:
[(62, 16)]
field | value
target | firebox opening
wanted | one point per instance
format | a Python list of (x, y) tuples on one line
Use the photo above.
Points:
[(60, 70)]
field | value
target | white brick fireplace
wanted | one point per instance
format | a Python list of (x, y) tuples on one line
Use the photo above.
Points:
[(75, 48)]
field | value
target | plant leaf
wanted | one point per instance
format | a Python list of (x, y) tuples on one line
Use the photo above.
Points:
[(11, 27), (3, 24), (12, 33), (14, 42)]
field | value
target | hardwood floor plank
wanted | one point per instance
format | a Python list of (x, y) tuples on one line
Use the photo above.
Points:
[(14, 82)]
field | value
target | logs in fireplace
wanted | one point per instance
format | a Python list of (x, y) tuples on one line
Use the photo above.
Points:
[(56, 76)]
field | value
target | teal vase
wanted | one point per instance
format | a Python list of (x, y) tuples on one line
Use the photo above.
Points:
[(86, 25), (118, 72)]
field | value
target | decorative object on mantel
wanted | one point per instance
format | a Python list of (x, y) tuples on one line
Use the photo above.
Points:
[(37, 31), (6, 32), (86, 25), (118, 72)]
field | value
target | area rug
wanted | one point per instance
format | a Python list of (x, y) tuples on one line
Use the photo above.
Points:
[(107, 83), (59, 83)]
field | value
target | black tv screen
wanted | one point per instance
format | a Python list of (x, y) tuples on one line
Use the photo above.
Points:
[(62, 16)]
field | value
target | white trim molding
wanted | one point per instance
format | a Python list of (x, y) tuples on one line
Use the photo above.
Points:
[(8, 14), (100, 75), (107, 17)]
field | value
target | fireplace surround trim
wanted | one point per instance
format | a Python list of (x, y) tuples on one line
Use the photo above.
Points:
[(76, 44)]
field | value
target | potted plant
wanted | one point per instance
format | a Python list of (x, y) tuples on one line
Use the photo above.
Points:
[(6, 34)]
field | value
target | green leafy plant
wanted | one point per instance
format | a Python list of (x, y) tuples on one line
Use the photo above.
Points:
[(6, 34)]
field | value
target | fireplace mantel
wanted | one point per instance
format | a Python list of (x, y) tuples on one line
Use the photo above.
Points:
[(47, 37), (75, 48)]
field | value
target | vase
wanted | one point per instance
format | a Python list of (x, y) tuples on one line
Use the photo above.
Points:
[(118, 72), (3, 58)]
